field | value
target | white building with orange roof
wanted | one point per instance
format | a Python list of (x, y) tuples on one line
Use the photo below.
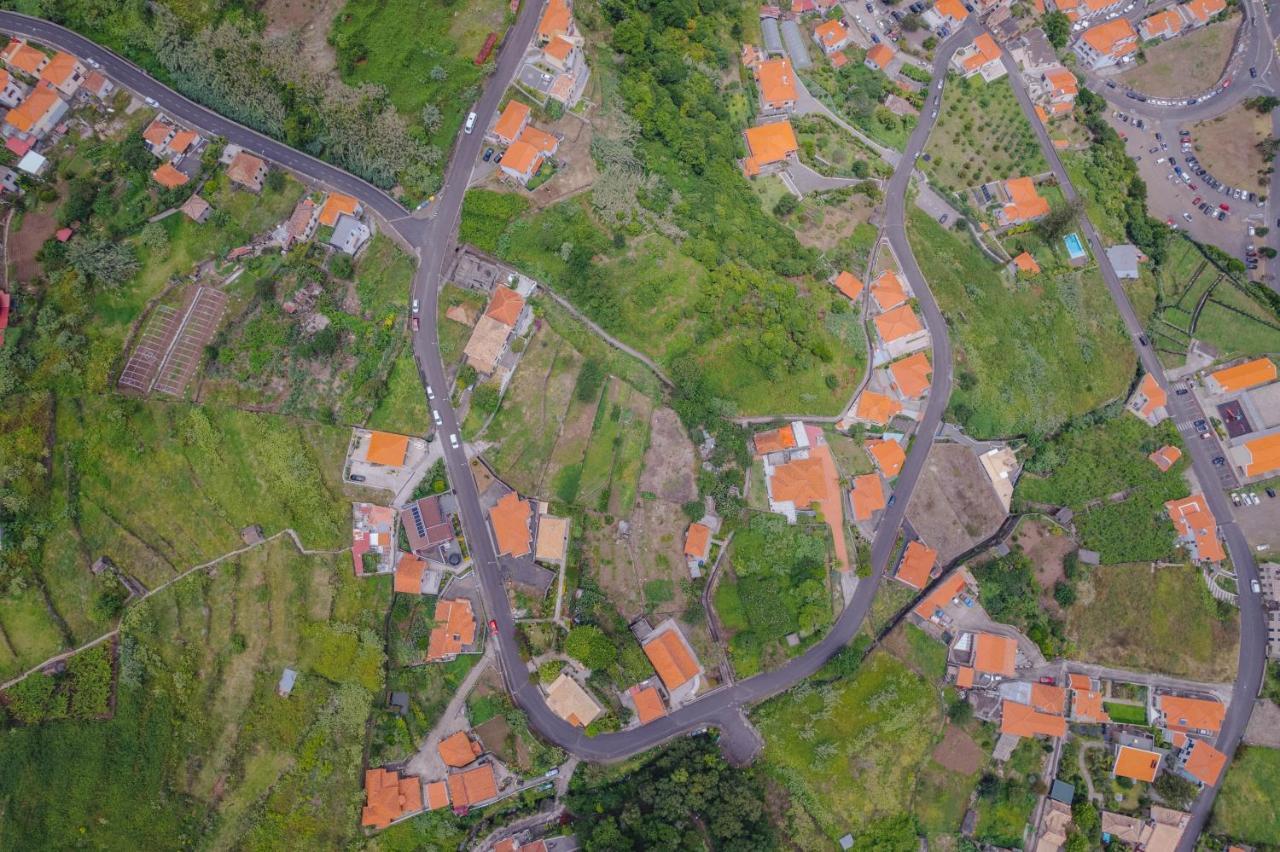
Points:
[(832, 36), (1258, 457), (911, 375), (916, 564), (1107, 44), (23, 58), (1196, 528), (511, 122), (506, 316), (38, 113), (888, 291), (697, 546), (879, 57), (848, 284), (866, 497), (888, 455), (556, 20), (901, 331), (675, 662), (524, 157), (12, 90), (807, 481), (64, 72), (510, 518), (1242, 376), (1024, 203), (876, 408), (776, 80), (981, 56), (946, 13), (1149, 400), (1166, 23), (455, 630), (770, 148), (1057, 85), (1198, 13)]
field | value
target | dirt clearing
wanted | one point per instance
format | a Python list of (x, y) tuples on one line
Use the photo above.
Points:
[(670, 461), (1046, 546), (954, 506), (36, 228), (1186, 65), (310, 19), (1228, 147), (958, 752)]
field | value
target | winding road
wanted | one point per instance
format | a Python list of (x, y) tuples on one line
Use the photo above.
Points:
[(431, 235)]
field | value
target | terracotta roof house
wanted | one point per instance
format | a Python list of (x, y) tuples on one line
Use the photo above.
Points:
[(1025, 264), (781, 439), (557, 20), (510, 519), (1136, 763), (777, 83), (303, 221), (648, 703), (568, 700), (879, 57), (964, 677), (437, 795), (1061, 83), (671, 656), (888, 455), (157, 135), (1163, 24), (492, 334), (20, 56), (1025, 203), (521, 161), (1204, 763), (1258, 457), (982, 56), (247, 171), (511, 123), (472, 786), (866, 496), (169, 177), (98, 85), (900, 330), (832, 36), (1106, 44), (409, 571), (455, 629), (1190, 715), (1165, 457), (39, 113), (769, 146), (996, 655), (888, 291), (1086, 706), (876, 408), (911, 375), (1149, 400), (505, 305), (387, 449), (196, 209), (337, 204), (917, 563), (1196, 528), (952, 12), (803, 483), (64, 72), (389, 796), (848, 284), (1048, 698), (1200, 12), (558, 52), (183, 141), (458, 750), (1022, 720), (1249, 374), (951, 586), (697, 542)]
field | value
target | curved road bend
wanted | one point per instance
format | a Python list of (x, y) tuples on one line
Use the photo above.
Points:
[(1253, 640)]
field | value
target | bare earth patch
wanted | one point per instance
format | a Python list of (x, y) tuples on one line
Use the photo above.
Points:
[(824, 227), (958, 752), (954, 506), (311, 20), (670, 460), (36, 228), (1264, 725), (578, 171), (1186, 65), (1046, 551), (1228, 146)]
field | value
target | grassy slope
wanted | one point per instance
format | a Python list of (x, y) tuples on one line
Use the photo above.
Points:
[(1250, 798), (1041, 351)]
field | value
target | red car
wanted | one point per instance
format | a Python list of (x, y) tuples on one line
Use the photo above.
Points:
[(1225, 207), (1196, 201), (413, 322), (493, 627), (1047, 680)]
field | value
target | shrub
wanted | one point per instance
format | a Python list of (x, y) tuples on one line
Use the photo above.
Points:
[(589, 646)]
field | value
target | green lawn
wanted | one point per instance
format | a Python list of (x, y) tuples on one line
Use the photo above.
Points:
[(1177, 630), (852, 750), (981, 135), (1126, 714), (403, 408), (1029, 355), (1250, 798)]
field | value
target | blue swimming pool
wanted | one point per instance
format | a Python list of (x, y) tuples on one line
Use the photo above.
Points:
[(1074, 248)]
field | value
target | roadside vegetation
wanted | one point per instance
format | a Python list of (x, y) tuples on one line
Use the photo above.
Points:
[(1250, 798), (857, 94), (981, 136)]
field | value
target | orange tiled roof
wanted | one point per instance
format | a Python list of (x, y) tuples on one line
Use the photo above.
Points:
[(472, 786), (867, 496), (1250, 374), (1086, 705), (1022, 720), (1079, 681), (182, 140), (1191, 516), (1165, 457), (505, 305), (964, 677), (984, 51), (829, 502), (1114, 38), (334, 206), (158, 131), (671, 659), (831, 33), (802, 481), (941, 595), (771, 143), (244, 168), (1205, 763), (848, 283), (1041, 114), (1203, 10), (389, 797), (898, 323), (36, 106), (888, 291), (1192, 714), (60, 67), (953, 9), (387, 449), (777, 82), (839, 60), (995, 654), (888, 455), (917, 561), (1049, 699), (1137, 763), (558, 48), (437, 795), (649, 704), (1168, 22), (911, 375), (455, 629), (881, 55), (1024, 201), (1063, 81), (522, 158), (457, 750), (409, 571), (540, 140), (169, 177), (697, 542), (1026, 263), (1264, 455), (24, 57), (555, 19), (775, 440), (1156, 397), (510, 519), (877, 408)]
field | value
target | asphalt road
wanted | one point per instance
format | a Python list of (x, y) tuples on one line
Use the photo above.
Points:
[(1253, 640)]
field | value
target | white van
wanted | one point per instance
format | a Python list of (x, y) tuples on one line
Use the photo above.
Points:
[(471, 123)]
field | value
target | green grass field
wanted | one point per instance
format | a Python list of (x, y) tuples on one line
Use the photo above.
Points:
[(1126, 714), (1250, 798), (403, 408), (1029, 355), (1177, 630), (981, 135)]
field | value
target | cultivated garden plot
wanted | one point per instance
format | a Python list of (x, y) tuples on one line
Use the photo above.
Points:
[(980, 136)]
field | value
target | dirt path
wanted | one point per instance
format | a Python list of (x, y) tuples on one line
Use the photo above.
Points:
[(426, 762)]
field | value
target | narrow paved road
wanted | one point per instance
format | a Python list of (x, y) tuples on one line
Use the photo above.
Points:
[(1253, 640)]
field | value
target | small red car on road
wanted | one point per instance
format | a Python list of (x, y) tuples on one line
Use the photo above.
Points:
[(1226, 207), (493, 627)]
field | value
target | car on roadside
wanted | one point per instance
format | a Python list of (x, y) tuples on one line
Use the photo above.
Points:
[(1253, 584), (1271, 492), (1253, 73), (431, 395), (1225, 207), (1201, 424), (413, 323), (453, 441), (1186, 216), (493, 627), (415, 306), (436, 416), (356, 477)]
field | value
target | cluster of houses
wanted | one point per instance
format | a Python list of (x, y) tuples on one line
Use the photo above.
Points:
[(554, 68), (1175, 20), (471, 779), (1246, 398), (526, 148), (37, 89), (506, 317), (1115, 41), (342, 216)]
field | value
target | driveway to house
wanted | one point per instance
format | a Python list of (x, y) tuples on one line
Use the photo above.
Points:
[(1253, 638)]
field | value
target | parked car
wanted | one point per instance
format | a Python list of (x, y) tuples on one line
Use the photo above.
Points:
[(413, 323), (356, 477), (1254, 585), (431, 395), (1253, 73), (1219, 461), (415, 306), (453, 441), (493, 627), (488, 154), (436, 415), (1271, 492)]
